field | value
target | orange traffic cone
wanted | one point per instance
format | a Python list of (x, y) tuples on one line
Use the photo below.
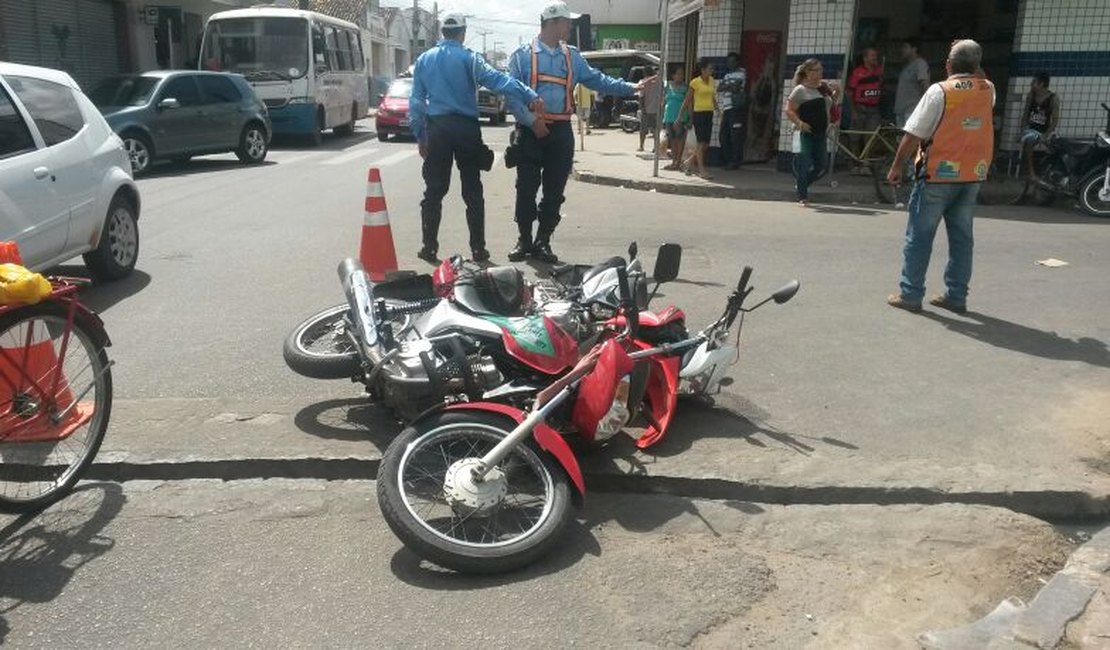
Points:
[(9, 253), (29, 372), (376, 251)]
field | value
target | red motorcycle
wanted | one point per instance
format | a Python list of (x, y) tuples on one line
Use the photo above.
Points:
[(486, 487)]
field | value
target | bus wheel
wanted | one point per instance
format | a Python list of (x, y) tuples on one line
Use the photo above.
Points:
[(317, 136), (349, 128)]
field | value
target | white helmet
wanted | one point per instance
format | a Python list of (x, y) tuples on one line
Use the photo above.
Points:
[(556, 10), (454, 20)]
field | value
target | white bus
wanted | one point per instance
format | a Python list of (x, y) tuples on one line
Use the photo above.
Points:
[(308, 68)]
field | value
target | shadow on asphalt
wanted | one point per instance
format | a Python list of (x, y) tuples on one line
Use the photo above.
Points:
[(352, 419), (575, 542), (198, 166), (41, 552), (101, 296), (828, 209), (1019, 338), (1034, 214)]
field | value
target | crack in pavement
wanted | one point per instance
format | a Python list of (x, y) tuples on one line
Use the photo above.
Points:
[(1055, 506)]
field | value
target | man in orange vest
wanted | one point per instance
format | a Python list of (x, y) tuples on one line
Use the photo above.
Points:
[(545, 143), (952, 131)]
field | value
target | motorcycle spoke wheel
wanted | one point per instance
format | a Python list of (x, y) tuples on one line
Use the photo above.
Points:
[(520, 511)]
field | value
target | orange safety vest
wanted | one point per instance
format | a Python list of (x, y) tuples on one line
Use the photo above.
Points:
[(960, 150), (566, 82)]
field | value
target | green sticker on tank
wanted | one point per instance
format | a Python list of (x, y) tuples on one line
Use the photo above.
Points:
[(529, 332)]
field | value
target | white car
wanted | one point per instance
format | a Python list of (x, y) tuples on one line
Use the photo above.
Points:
[(65, 178)]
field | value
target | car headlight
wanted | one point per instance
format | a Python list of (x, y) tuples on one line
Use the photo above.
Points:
[(302, 100)]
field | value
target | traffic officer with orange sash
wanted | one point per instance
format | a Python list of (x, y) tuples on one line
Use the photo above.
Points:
[(952, 131), (544, 144)]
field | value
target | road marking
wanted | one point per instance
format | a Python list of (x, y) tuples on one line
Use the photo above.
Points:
[(348, 157), (395, 158), (282, 160), (496, 157)]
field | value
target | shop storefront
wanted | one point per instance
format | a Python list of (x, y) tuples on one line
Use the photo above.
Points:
[(1068, 40)]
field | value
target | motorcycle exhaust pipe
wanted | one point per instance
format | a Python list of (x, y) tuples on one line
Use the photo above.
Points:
[(360, 300)]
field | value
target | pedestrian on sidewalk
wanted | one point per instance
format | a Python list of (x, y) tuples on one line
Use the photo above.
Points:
[(649, 109), (443, 110), (584, 100), (732, 96), (545, 141), (808, 107), (953, 133), (702, 98), (675, 117), (865, 85), (912, 82), (1042, 115)]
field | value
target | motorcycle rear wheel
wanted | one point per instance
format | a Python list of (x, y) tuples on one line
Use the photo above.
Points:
[(427, 514), (320, 348)]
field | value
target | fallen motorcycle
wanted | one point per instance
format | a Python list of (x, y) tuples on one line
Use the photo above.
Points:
[(486, 487)]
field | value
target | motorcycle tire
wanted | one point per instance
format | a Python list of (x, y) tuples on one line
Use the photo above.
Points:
[(1089, 188), (447, 535), (318, 350), (629, 127)]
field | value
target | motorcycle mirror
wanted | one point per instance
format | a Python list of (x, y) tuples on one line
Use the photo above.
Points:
[(633, 249), (786, 293), (667, 263)]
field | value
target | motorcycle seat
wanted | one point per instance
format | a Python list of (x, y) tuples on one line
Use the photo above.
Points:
[(1073, 147), (496, 291), (597, 269)]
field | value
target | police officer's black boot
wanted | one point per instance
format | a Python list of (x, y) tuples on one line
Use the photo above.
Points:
[(523, 246), (429, 223), (477, 226), (541, 249)]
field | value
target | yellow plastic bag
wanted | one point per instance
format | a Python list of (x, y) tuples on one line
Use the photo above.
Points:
[(19, 285)]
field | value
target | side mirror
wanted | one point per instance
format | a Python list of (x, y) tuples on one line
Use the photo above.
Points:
[(321, 69), (667, 263), (381, 96), (168, 103), (633, 250), (786, 293)]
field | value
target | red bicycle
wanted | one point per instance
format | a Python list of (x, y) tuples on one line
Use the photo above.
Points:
[(55, 395)]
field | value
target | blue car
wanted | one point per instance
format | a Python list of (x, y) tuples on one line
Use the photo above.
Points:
[(177, 114)]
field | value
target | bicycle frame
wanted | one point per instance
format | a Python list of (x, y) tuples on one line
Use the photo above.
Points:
[(865, 156), (42, 418)]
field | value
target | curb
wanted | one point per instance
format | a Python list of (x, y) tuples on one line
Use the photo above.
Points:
[(862, 197), (1056, 506), (1044, 621)]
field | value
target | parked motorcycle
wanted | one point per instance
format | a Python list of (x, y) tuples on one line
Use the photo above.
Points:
[(1077, 168), (630, 116), (486, 487)]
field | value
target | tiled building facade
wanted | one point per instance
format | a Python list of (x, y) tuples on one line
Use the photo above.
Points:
[(1068, 39)]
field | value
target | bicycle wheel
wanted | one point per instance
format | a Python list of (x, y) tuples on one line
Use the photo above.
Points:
[(54, 404), (1006, 183), (886, 192)]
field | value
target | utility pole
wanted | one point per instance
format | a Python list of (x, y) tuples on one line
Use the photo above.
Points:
[(485, 33), (415, 29)]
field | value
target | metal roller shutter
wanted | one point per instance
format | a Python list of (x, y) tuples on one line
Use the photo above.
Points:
[(78, 36)]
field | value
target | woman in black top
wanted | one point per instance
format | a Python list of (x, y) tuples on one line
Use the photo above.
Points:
[(808, 108)]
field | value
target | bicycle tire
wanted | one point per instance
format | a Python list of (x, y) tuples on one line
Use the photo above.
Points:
[(27, 463), (886, 192)]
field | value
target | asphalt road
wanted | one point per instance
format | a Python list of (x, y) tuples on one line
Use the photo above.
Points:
[(834, 387)]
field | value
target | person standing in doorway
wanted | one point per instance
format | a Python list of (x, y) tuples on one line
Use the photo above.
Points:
[(675, 118), (545, 140), (912, 82), (807, 107), (702, 99), (952, 131), (1042, 114), (443, 110), (865, 85), (732, 97)]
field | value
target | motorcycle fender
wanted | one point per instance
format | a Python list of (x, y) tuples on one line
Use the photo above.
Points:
[(548, 439), (662, 398), (92, 323)]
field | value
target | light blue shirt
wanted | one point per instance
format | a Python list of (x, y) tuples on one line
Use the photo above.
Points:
[(445, 80), (551, 61)]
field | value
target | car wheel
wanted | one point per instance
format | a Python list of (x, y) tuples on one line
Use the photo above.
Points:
[(118, 250), (139, 151), (252, 145), (383, 136), (316, 138)]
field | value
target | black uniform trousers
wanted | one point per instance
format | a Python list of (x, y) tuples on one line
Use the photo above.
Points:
[(545, 163), (734, 133), (459, 139)]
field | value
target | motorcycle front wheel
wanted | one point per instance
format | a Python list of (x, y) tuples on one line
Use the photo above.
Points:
[(1089, 190), (427, 497)]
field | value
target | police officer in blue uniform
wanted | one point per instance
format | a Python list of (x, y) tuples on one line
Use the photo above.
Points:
[(443, 110), (545, 142)]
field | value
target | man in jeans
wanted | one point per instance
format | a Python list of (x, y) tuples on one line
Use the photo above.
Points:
[(952, 130), (732, 98)]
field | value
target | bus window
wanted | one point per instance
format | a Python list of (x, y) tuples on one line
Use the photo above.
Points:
[(334, 60), (357, 58), (344, 42), (319, 47)]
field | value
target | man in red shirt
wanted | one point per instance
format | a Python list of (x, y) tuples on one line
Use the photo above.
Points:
[(865, 87)]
